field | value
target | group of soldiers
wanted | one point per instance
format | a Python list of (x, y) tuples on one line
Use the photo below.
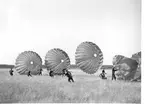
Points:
[(102, 75), (68, 74), (28, 73), (65, 72)]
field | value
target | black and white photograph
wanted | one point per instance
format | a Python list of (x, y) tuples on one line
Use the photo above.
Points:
[(70, 51)]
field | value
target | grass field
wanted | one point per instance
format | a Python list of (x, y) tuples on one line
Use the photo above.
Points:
[(86, 89)]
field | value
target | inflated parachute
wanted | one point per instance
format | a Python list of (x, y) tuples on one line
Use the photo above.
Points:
[(137, 57), (28, 61), (89, 57), (126, 67), (57, 60), (117, 58)]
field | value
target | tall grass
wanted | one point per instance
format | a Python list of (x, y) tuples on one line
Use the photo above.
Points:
[(42, 89)]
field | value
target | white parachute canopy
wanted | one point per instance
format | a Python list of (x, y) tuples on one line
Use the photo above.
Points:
[(28, 61), (57, 60), (89, 57)]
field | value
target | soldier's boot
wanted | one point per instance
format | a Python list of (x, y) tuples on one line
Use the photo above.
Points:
[(72, 79), (69, 79)]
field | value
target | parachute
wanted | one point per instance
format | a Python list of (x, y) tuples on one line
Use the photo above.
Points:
[(28, 61), (127, 67), (57, 60), (89, 57), (137, 57), (117, 58)]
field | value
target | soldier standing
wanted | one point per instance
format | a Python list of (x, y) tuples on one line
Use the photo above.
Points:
[(29, 74), (11, 72), (113, 73), (40, 72)]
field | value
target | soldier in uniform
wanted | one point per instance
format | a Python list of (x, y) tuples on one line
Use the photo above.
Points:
[(11, 72), (102, 75), (113, 73), (29, 74), (68, 74), (51, 73), (40, 71)]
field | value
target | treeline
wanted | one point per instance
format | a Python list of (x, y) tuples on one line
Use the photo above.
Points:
[(6, 66), (12, 66), (103, 66), (73, 66)]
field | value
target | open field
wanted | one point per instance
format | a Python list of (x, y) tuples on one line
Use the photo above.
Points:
[(86, 89)]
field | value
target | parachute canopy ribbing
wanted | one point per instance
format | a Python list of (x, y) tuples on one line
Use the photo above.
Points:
[(117, 58), (28, 61), (57, 60), (89, 57)]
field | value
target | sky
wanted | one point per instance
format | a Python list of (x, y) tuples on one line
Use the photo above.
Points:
[(41, 25)]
